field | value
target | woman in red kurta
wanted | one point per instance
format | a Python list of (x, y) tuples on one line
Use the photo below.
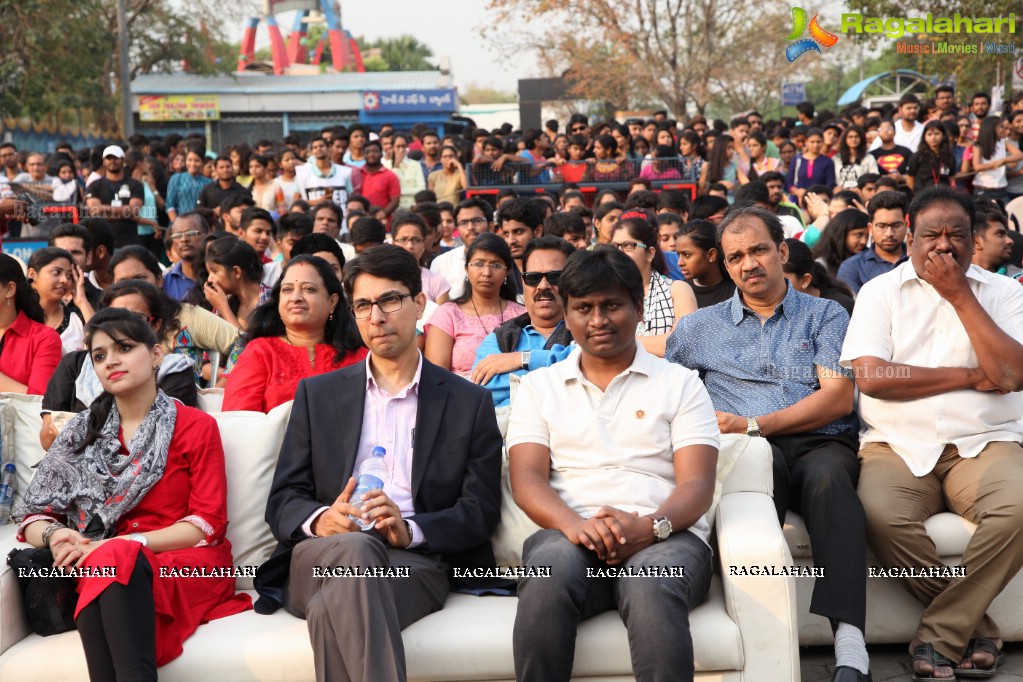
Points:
[(134, 492), (304, 329), (29, 350)]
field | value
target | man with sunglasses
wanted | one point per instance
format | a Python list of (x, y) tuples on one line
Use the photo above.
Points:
[(437, 508), (184, 238), (537, 338)]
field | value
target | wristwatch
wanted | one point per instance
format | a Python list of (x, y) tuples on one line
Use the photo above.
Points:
[(139, 538), (662, 528), (752, 428), (408, 527), (525, 359)]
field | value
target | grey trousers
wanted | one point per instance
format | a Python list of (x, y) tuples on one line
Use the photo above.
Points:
[(655, 610), (355, 624)]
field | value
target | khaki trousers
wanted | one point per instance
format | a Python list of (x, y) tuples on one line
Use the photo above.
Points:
[(985, 490)]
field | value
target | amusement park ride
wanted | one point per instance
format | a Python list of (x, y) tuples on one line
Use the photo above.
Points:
[(344, 52)]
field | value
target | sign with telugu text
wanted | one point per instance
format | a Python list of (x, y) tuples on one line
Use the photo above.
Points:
[(792, 94), (179, 108), (410, 101)]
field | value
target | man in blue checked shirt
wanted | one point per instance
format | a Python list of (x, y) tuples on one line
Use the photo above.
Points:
[(769, 358), (536, 339)]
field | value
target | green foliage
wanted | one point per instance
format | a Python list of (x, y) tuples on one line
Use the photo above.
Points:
[(476, 94), (401, 53)]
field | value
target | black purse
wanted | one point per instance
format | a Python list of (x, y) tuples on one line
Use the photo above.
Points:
[(50, 598)]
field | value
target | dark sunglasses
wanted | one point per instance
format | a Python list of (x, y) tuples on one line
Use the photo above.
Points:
[(533, 278)]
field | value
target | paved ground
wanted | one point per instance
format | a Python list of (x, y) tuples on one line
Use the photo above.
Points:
[(890, 663)]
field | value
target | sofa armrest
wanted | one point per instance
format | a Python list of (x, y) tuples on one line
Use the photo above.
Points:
[(764, 607), (13, 621)]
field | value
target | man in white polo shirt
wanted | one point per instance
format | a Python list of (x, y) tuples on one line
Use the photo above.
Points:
[(613, 453), (934, 347)]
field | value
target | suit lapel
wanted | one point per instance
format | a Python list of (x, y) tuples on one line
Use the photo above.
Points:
[(349, 406), (429, 416)]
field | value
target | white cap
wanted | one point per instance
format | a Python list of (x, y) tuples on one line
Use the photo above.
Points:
[(113, 150)]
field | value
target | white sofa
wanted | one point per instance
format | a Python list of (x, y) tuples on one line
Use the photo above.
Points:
[(746, 629)]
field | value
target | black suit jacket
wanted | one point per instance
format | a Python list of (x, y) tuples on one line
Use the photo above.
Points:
[(456, 466)]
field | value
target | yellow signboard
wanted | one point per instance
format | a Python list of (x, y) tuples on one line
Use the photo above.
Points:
[(179, 108)]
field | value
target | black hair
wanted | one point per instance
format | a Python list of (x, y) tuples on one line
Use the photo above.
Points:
[(936, 195), (545, 243), (866, 179), (101, 232), (573, 194), (645, 230), (139, 253), (409, 218), (330, 205), (361, 199), (987, 136), (294, 224), (526, 211), (162, 308), (475, 202), (845, 153), (801, 262), (429, 211), (644, 198), (340, 330), (707, 205), (831, 248), (602, 269), (71, 230), (253, 213), (564, 222), (122, 326), (43, 257), (743, 214), (234, 200), (424, 196), (888, 201), (488, 242), (25, 299), (771, 176), (719, 158), (753, 192), (704, 236), (886, 181), (372, 143), (229, 252), (985, 217), (600, 212), (385, 261), (945, 157), (318, 243), (368, 231)]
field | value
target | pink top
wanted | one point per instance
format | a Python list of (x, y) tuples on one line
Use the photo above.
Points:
[(434, 285), (468, 331)]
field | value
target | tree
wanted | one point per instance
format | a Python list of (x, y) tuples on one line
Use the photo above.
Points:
[(477, 94), (57, 55), (682, 52), (401, 53)]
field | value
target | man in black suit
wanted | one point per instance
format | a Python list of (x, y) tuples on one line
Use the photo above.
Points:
[(437, 509)]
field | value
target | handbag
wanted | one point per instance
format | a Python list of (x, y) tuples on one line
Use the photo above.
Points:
[(50, 598)]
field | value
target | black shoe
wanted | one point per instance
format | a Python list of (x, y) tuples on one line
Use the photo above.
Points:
[(844, 673)]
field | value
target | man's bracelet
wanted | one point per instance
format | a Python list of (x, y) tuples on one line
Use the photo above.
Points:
[(50, 530)]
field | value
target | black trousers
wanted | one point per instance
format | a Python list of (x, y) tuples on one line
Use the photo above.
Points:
[(815, 475), (118, 630)]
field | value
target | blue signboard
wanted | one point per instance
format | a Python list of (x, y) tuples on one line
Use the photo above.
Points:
[(792, 94), (23, 248), (410, 101)]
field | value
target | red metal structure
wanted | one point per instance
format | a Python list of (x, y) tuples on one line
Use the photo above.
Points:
[(344, 51)]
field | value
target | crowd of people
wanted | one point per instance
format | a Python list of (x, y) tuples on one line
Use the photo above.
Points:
[(614, 336)]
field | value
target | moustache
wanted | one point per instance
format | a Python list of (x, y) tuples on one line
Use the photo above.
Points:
[(543, 296), (759, 272)]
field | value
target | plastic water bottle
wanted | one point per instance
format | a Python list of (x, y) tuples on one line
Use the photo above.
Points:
[(371, 477), (6, 493)]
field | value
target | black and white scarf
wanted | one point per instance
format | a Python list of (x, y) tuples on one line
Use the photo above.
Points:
[(94, 488)]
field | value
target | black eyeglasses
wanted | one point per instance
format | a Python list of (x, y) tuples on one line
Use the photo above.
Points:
[(533, 278), (388, 304)]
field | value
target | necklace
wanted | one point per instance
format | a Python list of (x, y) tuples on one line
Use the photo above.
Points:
[(480, 319)]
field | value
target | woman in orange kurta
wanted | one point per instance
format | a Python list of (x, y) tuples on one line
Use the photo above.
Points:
[(304, 329), (133, 492)]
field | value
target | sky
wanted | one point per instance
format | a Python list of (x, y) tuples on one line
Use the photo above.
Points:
[(450, 28)]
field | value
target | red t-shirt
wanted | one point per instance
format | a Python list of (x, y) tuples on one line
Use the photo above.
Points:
[(380, 186), (29, 353)]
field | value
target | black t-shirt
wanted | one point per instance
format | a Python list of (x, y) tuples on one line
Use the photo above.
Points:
[(926, 172), (708, 296), (895, 159), (212, 195), (119, 193)]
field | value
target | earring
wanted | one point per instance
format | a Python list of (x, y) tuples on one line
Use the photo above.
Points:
[(331, 318)]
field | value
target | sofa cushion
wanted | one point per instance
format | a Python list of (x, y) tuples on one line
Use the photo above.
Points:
[(252, 442), (950, 533), (210, 400), (19, 433), (470, 639)]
